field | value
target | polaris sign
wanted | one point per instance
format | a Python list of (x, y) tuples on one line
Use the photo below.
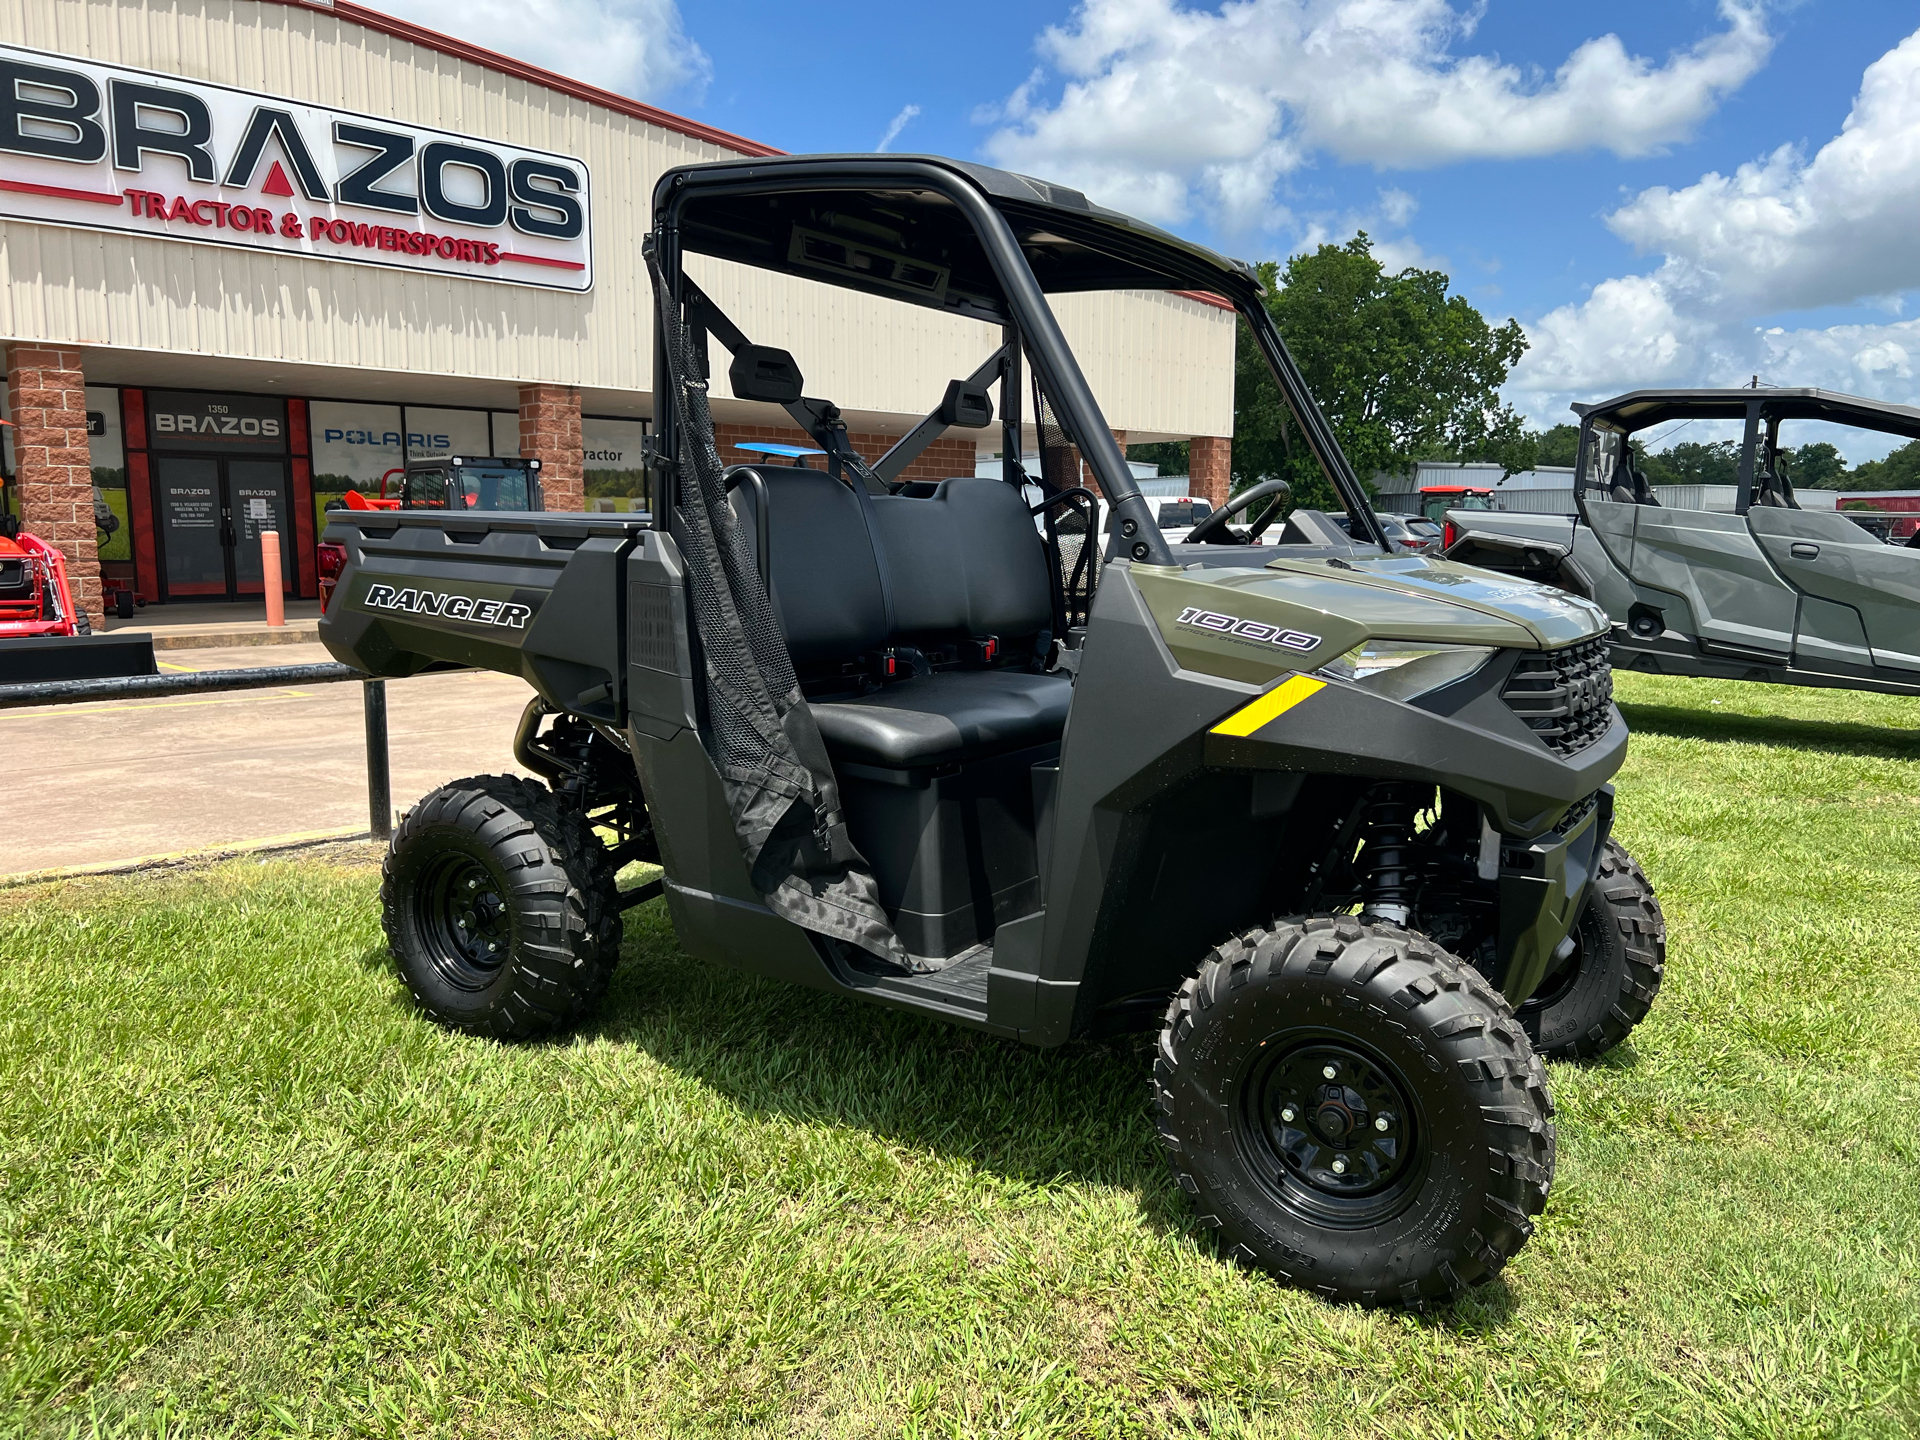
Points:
[(105, 147)]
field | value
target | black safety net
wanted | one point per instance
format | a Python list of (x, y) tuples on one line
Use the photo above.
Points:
[(763, 739), (1071, 522)]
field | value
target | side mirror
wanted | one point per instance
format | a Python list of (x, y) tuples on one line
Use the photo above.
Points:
[(968, 406), (760, 372)]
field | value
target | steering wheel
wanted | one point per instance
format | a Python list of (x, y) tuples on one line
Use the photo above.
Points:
[(1213, 530)]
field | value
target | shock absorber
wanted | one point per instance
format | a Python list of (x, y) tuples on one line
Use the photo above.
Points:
[(1391, 870)]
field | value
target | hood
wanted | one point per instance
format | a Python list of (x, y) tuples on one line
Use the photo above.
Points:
[(1554, 617), (1300, 614)]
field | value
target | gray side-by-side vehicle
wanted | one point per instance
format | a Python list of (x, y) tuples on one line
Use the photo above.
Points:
[(1769, 591), (1336, 819)]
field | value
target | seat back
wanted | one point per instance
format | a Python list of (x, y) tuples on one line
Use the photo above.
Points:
[(825, 574), (963, 559)]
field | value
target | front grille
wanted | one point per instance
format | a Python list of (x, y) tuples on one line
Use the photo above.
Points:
[(1565, 696), (1576, 812)]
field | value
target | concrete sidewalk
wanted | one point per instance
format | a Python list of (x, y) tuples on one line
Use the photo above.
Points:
[(223, 626), (195, 772)]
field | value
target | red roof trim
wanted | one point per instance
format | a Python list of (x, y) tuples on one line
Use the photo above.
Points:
[(533, 74), (1205, 297)]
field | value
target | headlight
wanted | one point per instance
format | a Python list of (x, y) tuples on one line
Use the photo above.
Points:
[(1406, 669)]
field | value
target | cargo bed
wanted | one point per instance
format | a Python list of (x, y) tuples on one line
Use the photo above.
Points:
[(541, 596)]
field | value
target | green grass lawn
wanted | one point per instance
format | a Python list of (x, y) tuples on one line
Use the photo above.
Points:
[(243, 1189)]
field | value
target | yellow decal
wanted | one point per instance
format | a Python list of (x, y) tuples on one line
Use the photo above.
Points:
[(1275, 703)]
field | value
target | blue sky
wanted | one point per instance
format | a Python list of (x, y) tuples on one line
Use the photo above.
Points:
[(1579, 167)]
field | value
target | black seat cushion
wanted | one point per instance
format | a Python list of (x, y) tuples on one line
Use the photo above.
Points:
[(951, 715)]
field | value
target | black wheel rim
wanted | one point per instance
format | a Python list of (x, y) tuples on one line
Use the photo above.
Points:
[(1344, 1149), (461, 910)]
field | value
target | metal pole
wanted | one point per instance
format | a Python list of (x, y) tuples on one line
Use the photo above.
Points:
[(379, 781)]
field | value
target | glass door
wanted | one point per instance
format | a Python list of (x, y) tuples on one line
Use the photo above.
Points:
[(211, 512), (191, 507), (260, 496)]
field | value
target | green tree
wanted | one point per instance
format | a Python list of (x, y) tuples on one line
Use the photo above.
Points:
[(1169, 455), (1402, 369), (1816, 467), (1694, 462), (1559, 446), (1899, 471)]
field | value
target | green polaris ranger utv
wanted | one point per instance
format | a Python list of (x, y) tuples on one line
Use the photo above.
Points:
[(1336, 819)]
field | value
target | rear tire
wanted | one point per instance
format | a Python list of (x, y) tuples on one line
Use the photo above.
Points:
[(1607, 987), (500, 908), (1407, 1177)]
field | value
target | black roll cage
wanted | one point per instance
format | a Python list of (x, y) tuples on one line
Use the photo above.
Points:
[(1030, 320)]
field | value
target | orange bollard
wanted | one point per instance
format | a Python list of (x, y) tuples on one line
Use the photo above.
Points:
[(271, 578)]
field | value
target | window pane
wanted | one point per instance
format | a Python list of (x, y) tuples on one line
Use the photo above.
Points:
[(615, 477), (432, 433)]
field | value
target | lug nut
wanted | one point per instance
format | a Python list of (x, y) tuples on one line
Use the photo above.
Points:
[(1287, 1112), (1339, 1166), (491, 947), (1380, 1122), (1329, 1071)]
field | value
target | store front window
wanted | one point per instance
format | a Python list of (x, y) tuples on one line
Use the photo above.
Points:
[(616, 477), (435, 434), (354, 445), (112, 510)]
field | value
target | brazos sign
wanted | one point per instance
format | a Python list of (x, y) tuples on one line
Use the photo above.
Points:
[(105, 147)]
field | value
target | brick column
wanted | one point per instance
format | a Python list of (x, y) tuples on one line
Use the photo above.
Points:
[(550, 433), (1210, 467), (47, 393)]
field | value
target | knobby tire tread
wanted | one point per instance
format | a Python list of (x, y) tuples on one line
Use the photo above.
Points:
[(1406, 976), (564, 897), (1625, 897)]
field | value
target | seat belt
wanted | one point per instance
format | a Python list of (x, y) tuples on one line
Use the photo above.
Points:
[(832, 435)]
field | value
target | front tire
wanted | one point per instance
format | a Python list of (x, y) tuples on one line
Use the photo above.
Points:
[(1607, 986), (1407, 1175), (500, 907)]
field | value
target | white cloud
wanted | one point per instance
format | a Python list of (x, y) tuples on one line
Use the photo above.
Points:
[(1788, 233), (896, 125), (1781, 234), (1164, 108), (1384, 221), (633, 47)]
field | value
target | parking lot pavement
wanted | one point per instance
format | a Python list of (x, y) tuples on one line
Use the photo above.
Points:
[(193, 772)]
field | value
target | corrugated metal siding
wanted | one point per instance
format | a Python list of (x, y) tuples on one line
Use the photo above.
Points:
[(1157, 362), (90, 288)]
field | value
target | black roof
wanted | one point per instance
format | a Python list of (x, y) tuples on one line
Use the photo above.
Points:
[(860, 221), (1638, 409)]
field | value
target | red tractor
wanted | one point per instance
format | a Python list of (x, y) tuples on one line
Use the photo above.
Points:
[(34, 598), (456, 482)]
